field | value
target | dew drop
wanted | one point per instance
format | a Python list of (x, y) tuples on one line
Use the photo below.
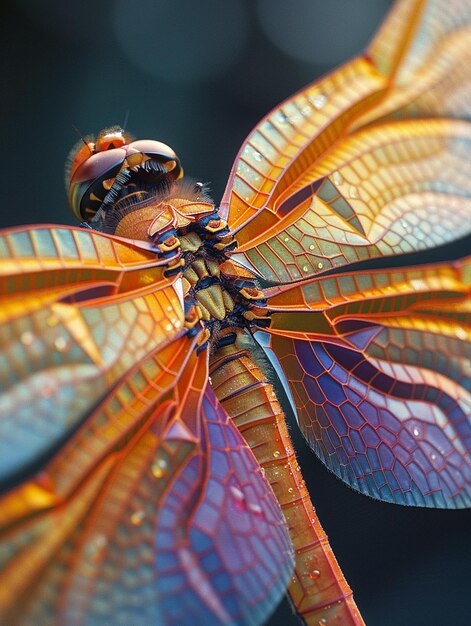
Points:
[(314, 575), (290, 489), (168, 327), (305, 268), (433, 456), (159, 468), (170, 307), (238, 497), (318, 101), (137, 517), (259, 156), (322, 621), (276, 454), (281, 117), (416, 431), (312, 246), (320, 265), (298, 469), (337, 178), (353, 193), (27, 338), (255, 508), (461, 333), (306, 110), (60, 344)]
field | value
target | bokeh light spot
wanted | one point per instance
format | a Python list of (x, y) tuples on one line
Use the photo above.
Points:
[(183, 42), (324, 33)]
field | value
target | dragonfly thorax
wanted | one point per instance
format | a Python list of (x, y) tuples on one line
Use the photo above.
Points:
[(218, 293), (189, 234)]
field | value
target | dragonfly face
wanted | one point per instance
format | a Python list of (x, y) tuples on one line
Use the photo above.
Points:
[(98, 170)]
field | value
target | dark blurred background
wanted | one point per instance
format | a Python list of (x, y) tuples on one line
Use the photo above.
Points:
[(199, 75)]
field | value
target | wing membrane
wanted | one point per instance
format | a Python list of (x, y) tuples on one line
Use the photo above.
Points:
[(341, 188), (62, 354), (182, 522), (396, 188), (62, 259), (291, 138), (380, 378), (423, 48)]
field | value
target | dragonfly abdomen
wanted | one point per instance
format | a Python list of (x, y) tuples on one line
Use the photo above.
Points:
[(318, 589)]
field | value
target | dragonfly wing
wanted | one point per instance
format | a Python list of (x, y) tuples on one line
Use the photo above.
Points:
[(320, 183), (378, 368), (423, 48), (237, 552), (79, 309), (183, 529), (294, 135), (397, 188)]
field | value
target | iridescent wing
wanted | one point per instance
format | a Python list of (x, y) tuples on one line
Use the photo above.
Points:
[(171, 528), (378, 365), (79, 309), (154, 509), (354, 169), (423, 48), (317, 185)]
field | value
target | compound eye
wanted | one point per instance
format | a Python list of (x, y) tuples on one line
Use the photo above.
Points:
[(160, 152), (77, 157), (99, 165)]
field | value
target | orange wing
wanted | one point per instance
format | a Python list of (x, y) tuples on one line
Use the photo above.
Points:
[(79, 310), (124, 478), (317, 186)]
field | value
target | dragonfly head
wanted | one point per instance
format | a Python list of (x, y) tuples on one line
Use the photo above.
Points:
[(98, 169)]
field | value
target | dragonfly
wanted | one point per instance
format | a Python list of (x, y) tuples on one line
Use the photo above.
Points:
[(150, 356)]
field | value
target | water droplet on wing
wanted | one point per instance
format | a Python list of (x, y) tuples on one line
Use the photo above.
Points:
[(137, 517), (159, 468), (60, 343), (318, 101), (314, 575), (337, 177)]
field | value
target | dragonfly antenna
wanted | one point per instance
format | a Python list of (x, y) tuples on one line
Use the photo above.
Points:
[(80, 135), (126, 118)]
